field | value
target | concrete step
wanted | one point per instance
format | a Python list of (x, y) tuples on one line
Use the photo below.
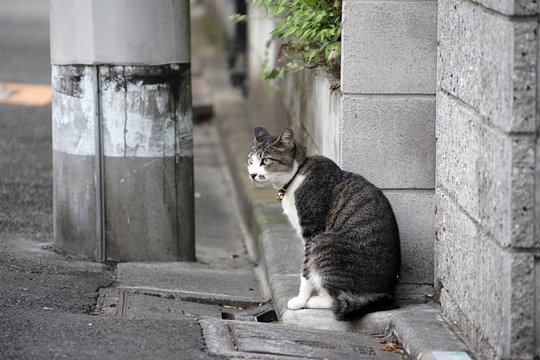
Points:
[(191, 281)]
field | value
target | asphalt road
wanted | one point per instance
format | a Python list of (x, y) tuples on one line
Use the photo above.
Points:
[(46, 299), (25, 131)]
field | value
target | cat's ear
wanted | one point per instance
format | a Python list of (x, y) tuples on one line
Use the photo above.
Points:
[(260, 133), (287, 138)]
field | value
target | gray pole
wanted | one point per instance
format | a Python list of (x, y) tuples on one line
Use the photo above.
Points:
[(122, 129)]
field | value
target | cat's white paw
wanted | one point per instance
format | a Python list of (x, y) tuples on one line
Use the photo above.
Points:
[(320, 302), (296, 303)]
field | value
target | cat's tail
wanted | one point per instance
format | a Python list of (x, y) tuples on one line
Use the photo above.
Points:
[(349, 306)]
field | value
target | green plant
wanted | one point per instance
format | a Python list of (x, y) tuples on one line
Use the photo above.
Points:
[(309, 32)]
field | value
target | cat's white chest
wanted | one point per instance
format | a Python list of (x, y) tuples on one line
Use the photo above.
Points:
[(289, 204)]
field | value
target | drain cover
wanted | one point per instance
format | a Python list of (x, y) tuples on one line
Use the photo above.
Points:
[(271, 341)]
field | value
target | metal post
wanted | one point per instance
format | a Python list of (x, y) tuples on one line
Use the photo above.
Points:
[(122, 129)]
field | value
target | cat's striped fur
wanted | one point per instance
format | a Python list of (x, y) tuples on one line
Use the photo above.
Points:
[(350, 234)]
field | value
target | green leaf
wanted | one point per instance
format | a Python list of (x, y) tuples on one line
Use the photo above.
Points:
[(239, 18), (311, 29)]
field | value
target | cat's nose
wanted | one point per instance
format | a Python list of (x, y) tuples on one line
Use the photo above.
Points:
[(253, 176)]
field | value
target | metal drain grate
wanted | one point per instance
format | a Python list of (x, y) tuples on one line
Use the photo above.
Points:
[(271, 341)]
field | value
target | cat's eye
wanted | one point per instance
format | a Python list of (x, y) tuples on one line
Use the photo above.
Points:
[(250, 162), (265, 161)]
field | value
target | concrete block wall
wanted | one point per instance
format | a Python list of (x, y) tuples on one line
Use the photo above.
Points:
[(486, 252), (388, 120), (314, 105), (378, 120)]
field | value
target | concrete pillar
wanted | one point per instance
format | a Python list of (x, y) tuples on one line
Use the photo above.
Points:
[(122, 129)]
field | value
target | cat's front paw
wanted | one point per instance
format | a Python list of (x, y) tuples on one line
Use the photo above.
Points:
[(296, 303)]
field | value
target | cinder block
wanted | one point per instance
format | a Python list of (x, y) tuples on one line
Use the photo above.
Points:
[(486, 289), (389, 47), (490, 174), (390, 140), (415, 215), (322, 112), (511, 7), (489, 62)]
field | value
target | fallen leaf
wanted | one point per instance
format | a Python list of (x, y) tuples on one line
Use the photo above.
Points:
[(392, 345), (96, 311)]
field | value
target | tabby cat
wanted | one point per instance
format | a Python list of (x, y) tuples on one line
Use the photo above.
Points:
[(350, 235)]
